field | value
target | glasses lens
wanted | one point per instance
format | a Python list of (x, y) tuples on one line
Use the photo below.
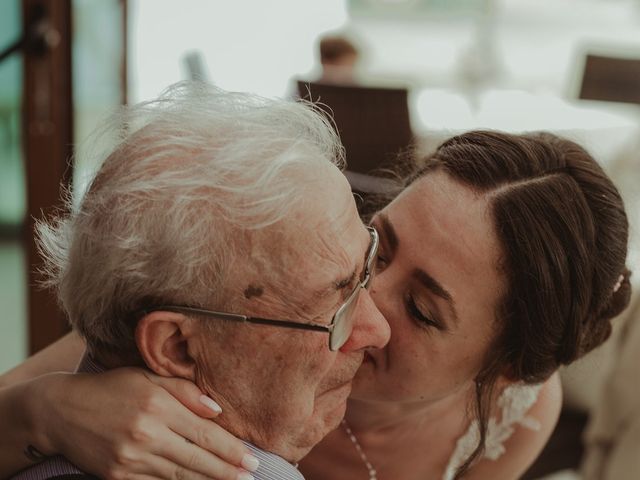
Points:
[(344, 317), (370, 266), (369, 274), (343, 321)]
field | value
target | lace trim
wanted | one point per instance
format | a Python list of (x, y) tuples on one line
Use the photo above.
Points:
[(514, 403)]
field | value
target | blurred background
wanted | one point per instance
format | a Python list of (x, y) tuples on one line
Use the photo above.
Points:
[(405, 73)]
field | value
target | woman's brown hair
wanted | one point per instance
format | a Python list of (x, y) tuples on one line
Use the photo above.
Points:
[(563, 232)]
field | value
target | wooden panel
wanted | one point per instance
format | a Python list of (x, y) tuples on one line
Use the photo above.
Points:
[(373, 123), (611, 79), (48, 140), (374, 128)]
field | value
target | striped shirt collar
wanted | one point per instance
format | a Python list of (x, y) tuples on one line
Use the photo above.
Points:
[(273, 466)]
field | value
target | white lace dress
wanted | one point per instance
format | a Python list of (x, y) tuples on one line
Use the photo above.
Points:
[(514, 403)]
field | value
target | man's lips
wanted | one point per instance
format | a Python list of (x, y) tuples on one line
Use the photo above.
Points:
[(342, 386), (345, 378), (345, 382), (338, 393)]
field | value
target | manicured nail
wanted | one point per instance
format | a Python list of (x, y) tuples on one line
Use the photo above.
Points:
[(250, 462), (208, 402), (245, 476)]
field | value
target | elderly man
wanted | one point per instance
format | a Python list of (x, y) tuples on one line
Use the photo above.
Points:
[(220, 243)]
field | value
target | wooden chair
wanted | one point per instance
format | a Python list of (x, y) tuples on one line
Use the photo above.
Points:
[(611, 79), (373, 124)]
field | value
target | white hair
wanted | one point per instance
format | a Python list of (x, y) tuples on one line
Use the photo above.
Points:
[(160, 219)]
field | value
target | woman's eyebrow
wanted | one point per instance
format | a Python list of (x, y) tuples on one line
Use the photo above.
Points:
[(388, 231)]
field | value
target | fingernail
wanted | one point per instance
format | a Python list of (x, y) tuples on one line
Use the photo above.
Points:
[(245, 476), (250, 462), (208, 402)]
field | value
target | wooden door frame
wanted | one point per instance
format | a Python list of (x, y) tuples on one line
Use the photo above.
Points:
[(48, 138), (48, 147)]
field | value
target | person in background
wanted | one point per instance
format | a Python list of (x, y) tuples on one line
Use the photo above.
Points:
[(338, 59)]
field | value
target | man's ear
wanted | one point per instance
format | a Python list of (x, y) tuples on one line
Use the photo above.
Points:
[(163, 340)]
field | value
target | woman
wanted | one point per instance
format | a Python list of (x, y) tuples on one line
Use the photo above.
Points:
[(501, 260), (525, 238)]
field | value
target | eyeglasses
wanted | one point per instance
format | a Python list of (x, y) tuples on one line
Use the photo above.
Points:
[(341, 324)]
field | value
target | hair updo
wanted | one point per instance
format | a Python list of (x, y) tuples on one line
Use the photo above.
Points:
[(563, 232)]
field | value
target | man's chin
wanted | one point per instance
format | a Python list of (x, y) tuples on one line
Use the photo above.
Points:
[(334, 405), (329, 411)]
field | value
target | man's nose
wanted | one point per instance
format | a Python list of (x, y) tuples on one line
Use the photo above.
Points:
[(370, 328)]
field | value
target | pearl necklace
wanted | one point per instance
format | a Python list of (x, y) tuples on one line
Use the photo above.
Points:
[(373, 475)]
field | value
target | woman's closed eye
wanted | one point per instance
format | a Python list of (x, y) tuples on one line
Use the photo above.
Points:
[(381, 262), (420, 316)]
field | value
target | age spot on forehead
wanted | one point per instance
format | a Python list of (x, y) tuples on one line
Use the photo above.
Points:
[(253, 291)]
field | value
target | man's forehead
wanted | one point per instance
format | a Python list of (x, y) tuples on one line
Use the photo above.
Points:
[(306, 271), (338, 263), (314, 252)]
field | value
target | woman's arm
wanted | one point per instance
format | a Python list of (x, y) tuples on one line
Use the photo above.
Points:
[(18, 407), (61, 356), (16, 430), (121, 423)]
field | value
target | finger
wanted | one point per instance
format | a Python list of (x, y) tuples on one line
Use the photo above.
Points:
[(140, 477), (211, 437), (181, 457), (188, 394), (172, 473), (207, 435)]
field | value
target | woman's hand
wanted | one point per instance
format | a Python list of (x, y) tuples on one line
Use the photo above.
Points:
[(129, 423)]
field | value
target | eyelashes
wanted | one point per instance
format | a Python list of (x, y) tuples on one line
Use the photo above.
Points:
[(423, 319), (381, 263), (419, 316)]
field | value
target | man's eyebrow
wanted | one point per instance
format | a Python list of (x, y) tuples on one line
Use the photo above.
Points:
[(434, 286), (342, 283), (336, 286), (389, 233)]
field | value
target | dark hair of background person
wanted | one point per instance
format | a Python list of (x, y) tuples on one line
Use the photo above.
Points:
[(333, 48), (563, 232)]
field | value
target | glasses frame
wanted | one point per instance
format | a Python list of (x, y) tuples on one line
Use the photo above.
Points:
[(363, 283)]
